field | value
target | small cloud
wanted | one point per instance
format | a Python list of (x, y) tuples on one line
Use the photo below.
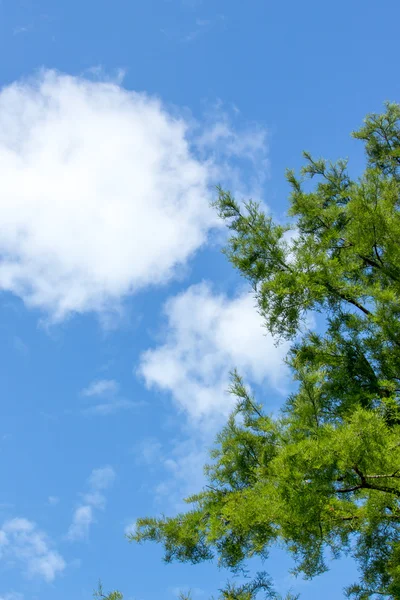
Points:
[(99, 73), (94, 499), (53, 500), (12, 596), (81, 522), (107, 390), (192, 3), (203, 22), (101, 387), (22, 542), (19, 346), (203, 26), (184, 470), (23, 29), (206, 337), (101, 479), (108, 408), (148, 451)]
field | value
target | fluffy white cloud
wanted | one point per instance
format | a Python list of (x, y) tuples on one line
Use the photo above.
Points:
[(22, 542), (102, 191), (94, 499), (207, 336), (12, 596)]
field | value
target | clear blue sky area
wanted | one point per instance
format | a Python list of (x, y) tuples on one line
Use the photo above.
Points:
[(120, 318)]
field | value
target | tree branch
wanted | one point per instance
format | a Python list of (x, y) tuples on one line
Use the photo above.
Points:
[(365, 485)]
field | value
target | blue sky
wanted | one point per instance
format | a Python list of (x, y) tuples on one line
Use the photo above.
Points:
[(120, 318)]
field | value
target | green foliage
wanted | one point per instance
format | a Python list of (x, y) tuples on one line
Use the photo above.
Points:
[(247, 591), (100, 595), (323, 477)]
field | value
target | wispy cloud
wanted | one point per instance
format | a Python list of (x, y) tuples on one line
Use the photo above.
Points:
[(101, 387), (104, 409), (183, 470), (147, 451), (53, 500), (92, 500), (203, 26), (20, 346), (176, 466), (192, 4), (180, 34), (105, 393), (21, 542), (101, 479), (22, 29)]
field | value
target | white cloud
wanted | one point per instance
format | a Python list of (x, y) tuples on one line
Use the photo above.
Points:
[(103, 409), (101, 479), (94, 499), (110, 402), (101, 387), (22, 542), (207, 336), (177, 465), (183, 471), (148, 451), (202, 27), (53, 500), (20, 346), (246, 144), (81, 522), (229, 145), (12, 596), (102, 192)]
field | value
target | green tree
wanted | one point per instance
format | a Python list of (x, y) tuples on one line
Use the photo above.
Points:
[(324, 477)]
